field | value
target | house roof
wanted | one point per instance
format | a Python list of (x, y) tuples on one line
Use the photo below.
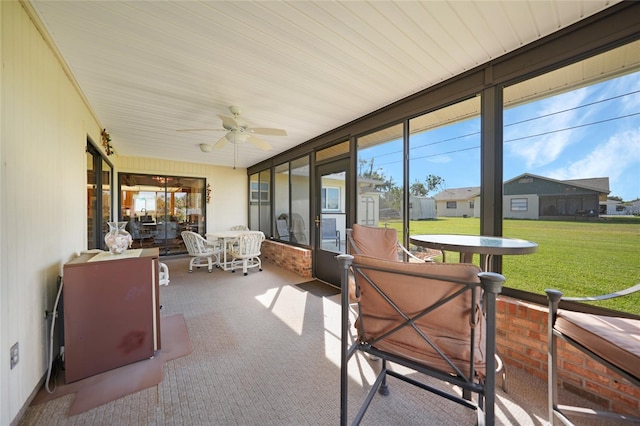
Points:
[(454, 194), (599, 184)]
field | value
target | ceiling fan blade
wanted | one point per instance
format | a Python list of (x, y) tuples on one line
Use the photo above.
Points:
[(201, 130), (221, 143), (268, 131), (259, 143), (229, 122)]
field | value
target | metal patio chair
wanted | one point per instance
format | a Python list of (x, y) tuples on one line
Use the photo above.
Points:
[(329, 230), (376, 242), (436, 319), (613, 341)]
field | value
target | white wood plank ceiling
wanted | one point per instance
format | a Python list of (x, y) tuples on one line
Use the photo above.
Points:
[(153, 67)]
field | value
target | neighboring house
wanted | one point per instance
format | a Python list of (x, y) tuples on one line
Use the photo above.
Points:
[(530, 196), (633, 207), (458, 202), (368, 201), (613, 207), (619, 208)]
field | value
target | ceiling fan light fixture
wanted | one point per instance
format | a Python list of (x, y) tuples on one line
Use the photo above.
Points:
[(205, 147), (237, 137)]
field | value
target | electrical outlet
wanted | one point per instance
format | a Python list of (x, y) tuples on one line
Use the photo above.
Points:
[(15, 354)]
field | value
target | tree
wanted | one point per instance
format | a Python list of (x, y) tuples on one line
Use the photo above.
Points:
[(432, 183), (367, 170), (391, 194), (419, 189)]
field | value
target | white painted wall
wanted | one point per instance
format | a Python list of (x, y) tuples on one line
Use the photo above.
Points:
[(462, 208), (44, 126)]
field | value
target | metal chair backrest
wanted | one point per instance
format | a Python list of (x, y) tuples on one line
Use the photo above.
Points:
[(282, 228), (381, 243)]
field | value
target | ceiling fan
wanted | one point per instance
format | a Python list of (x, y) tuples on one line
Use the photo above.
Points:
[(238, 132)]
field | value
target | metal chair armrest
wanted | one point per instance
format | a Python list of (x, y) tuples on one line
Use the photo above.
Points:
[(620, 293), (413, 256)]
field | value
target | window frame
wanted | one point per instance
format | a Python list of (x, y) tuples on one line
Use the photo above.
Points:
[(515, 201), (325, 198)]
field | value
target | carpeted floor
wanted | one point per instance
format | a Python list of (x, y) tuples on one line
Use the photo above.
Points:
[(117, 383), (266, 353)]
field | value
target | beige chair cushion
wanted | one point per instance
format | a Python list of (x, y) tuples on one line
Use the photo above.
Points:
[(447, 326), (375, 242), (615, 339)]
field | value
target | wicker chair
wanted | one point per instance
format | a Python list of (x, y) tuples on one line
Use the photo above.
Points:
[(245, 251), (163, 275), (199, 248), (434, 318)]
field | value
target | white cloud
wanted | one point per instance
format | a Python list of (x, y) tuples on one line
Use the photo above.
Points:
[(537, 152), (610, 159)]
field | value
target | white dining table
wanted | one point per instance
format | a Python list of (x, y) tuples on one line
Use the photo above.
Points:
[(226, 238), (467, 245)]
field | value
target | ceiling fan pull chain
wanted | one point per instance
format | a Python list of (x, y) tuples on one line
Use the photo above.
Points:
[(235, 155)]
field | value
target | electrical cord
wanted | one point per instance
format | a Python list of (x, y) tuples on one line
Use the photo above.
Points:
[(54, 315)]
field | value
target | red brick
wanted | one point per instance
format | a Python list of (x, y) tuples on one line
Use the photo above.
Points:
[(588, 374), (536, 354), (601, 391), (534, 372), (603, 402), (596, 366), (627, 388), (513, 345), (572, 379), (573, 357), (624, 400)]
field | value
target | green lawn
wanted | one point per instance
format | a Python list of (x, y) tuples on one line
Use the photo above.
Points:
[(579, 258)]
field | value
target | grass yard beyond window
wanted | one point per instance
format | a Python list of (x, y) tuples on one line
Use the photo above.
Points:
[(577, 257)]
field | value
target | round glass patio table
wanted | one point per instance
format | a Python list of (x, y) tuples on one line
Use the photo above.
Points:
[(467, 245)]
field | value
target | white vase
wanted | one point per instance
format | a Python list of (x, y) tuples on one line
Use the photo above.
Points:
[(118, 239)]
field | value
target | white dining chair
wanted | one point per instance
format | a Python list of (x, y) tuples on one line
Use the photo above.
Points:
[(246, 251), (163, 275), (199, 249)]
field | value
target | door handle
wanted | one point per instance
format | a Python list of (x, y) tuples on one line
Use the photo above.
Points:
[(317, 222)]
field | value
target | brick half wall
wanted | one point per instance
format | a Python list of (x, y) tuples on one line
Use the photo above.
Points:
[(522, 343), (291, 258)]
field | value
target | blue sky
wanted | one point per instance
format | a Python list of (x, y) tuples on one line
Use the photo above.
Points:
[(585, 133)]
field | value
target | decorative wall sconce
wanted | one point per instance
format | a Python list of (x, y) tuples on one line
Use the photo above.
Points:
[(208, 193), (106, 142)]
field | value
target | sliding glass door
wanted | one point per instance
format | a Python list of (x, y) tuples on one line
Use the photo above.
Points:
[(159, 208), (99, 176)]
